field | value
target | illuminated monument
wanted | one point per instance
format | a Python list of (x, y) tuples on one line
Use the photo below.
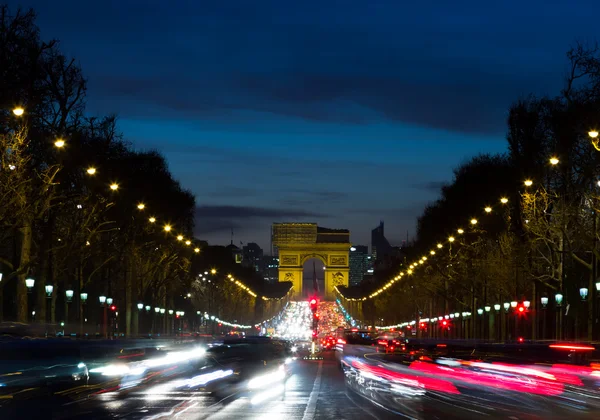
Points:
[(295, 243)]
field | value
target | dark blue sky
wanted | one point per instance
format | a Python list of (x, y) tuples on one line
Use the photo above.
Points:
[(339, 112)]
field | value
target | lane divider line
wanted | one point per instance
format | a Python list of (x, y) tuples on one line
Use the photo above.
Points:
[(311, 407)]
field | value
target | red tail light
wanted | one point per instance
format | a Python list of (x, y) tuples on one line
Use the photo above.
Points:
[(571, 347)]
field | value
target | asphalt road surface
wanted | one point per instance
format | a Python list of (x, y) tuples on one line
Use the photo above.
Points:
[(316, 390)]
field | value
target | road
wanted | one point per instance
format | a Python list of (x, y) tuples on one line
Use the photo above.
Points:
[(316, 390)]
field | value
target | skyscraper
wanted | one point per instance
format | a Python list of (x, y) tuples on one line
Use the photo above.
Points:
[(380, 247), (359, 263), (252, 255)]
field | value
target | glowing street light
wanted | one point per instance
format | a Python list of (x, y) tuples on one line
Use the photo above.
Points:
[(473, 222), (196, 250), (69, 294), (213, 271), (594, 139), (488, 209), (559, 298), (180, 237), (440, 246), (102, 299), (167, 228), (188, 242), (504, 200), (109, 301), (114, 186), (451, 239), (460, 231), (60, 143), (18, 111), (49, 288), (544, 301), (140, 306), (432, 252), (141, 206), (152, 219), (83, 296), (554, 161), (91, 171), (528, 182)]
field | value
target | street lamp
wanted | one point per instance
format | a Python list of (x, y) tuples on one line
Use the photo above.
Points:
[(506, 306), (83, 296), (170, 311), (49, 288), (514, 304), (479, 311), (559, 298), (156, 309), (544, 301), (583, 292), (109, 301), (487, 308), (213, 271), (29, 283), (598, 286), (504, 200), (18, 111), (140, 306), (162, 310), (59, 143), (497, 307), (148, 307), (69, 294), (102, 299), (594, 139), (526, 304), (528, 182)]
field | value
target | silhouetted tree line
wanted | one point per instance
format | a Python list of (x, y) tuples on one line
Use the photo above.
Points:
[(71, 215), (540, 242)]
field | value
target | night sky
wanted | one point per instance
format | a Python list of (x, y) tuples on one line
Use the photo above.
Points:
[(338, 112)]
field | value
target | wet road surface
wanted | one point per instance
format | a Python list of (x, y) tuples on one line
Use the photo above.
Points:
[(316, 390)]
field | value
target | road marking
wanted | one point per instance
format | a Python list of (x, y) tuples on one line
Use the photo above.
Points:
[(311, 407)]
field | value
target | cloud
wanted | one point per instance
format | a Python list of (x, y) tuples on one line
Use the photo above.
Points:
[(218, 218), (245, 212), (433, 186)]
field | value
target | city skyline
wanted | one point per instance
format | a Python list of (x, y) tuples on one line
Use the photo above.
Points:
[(277, 113)]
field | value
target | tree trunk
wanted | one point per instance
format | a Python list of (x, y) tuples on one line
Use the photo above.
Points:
[(26, 234), (128, 294)]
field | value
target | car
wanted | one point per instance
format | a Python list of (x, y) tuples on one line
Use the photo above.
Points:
[(42, 364)]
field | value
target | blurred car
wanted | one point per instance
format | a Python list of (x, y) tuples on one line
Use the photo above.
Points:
[(41, 364), (328, 343), (390, 342)]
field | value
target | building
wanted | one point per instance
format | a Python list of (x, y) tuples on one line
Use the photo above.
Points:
[(236, 252), (252, 256), (360, 264), (270, 268), (380, 246)]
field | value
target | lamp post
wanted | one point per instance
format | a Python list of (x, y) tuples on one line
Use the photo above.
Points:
[(102, 300), (558, 298), (83, 297), (29, 283), (68, 299), (49, 288)]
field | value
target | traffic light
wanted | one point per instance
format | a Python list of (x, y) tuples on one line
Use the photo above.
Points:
[(113, 308), (314, 303)]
